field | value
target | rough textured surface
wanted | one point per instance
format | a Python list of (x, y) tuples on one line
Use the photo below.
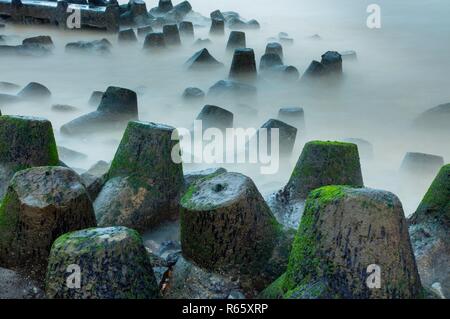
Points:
[(24, 142), (344, 230), (15, 286), (236, 40), (41, 203), (430, 234), (113, 263), (144, 183), (325, 163), (227, 227), (188, 281)]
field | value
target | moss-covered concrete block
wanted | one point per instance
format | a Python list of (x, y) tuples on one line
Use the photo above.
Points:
[(144, 183), (113, 264), (227, 227), (324, 163), (344, 230), (41, 203), (24, 142)]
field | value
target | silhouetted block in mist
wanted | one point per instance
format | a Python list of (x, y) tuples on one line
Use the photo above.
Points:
[(193, 94), (295, 116), (333, 61), (236, 40), (275, 48), (171, 35), (286, 136), (217, 27), (232, 90), (154, 41), (102, 46), (269, 60), (348, 55), (421, 163), (217, 15), (127, 36), (34, 91), (434, 119), (202, 60), (243, 66), (215, 117), (187, 29), (117, 107)]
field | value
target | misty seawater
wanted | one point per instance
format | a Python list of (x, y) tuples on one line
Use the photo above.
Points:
[(401, 71)]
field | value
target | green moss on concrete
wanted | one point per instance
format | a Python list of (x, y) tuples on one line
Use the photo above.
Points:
[(436, 202), (26, 142), (325, 163)]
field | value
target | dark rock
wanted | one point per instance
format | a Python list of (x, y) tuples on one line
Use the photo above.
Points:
[(243, 66), (163, 7), (95, 98), (215, 117), (217, 15), (143, 31), (325, 163), (113, 261), (144, 182), (235, 23), (42, 40), (202, 60), (193, 94), (236, 40), (154, 41), (101, 47), (332, 60), (295, 116), (421, 164), (275, 48), (217, 27), (253, 24), (187, 29), (315, 70), (34, 91), (25, 142), (329, 259), (127, 36), (171, 35), (117, 107), (269, 60), (179, 12), (41, 204), (93, 184)]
